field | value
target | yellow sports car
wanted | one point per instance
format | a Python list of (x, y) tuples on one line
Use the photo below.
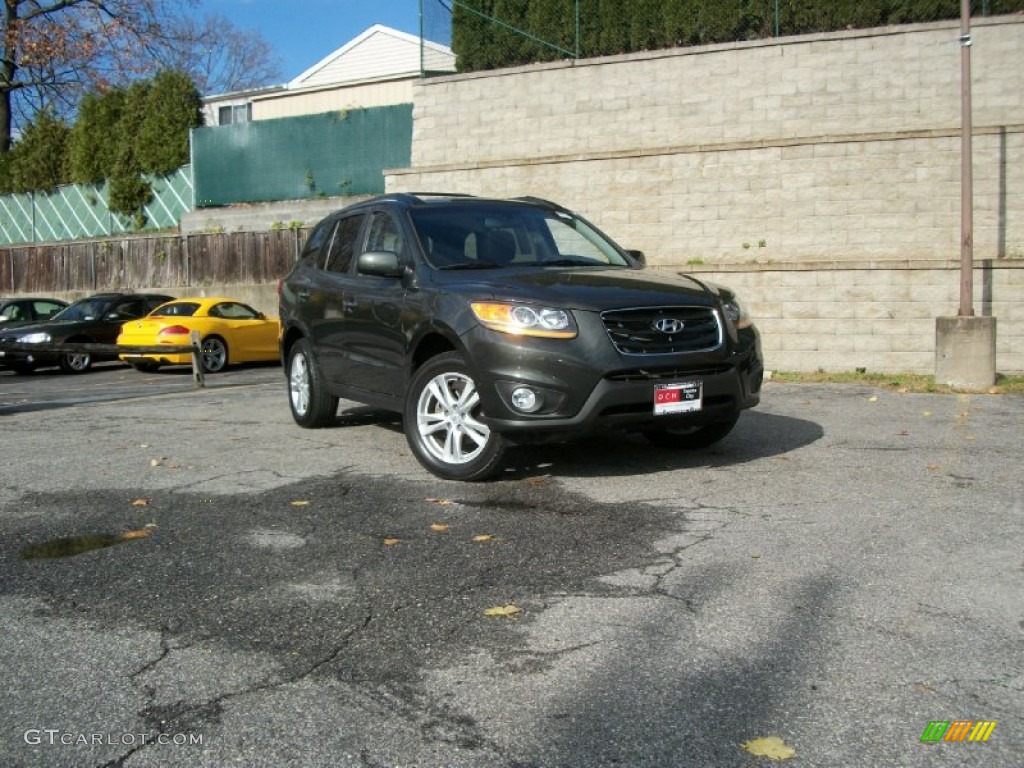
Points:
[(230, 331)]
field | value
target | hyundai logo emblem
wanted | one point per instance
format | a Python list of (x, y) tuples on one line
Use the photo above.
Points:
[(668, 325)]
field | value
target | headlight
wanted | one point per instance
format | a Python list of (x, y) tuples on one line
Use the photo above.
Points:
[(526, 320), (736, 313), (35, 338)]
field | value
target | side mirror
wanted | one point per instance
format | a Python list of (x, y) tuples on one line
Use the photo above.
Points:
[(379, 264), (638, 257)]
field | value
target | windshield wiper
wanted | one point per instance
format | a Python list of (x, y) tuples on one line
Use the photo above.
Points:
[(571, 261), (472, 265)]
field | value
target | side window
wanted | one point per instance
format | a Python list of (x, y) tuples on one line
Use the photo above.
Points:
[(133, 308), (46, 309), (311, 251), (14, 312), (233, 311), (344, 244), (384, 235)]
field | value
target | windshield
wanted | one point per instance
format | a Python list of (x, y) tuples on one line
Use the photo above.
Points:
[(474, 236), (84, 309)]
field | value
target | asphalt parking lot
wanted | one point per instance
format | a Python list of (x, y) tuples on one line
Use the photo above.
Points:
[(190, 579)]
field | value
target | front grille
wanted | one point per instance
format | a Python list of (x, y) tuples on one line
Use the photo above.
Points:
[(666, 374), (683, 330)]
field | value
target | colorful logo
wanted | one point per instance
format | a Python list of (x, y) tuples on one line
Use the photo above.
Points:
[(958, 730)]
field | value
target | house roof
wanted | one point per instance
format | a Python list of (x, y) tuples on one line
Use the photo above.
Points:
[(378, 53)]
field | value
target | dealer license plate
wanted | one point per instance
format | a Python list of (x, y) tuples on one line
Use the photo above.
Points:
[(684, 397)]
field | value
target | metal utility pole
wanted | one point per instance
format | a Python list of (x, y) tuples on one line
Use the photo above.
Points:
[(966, 168)]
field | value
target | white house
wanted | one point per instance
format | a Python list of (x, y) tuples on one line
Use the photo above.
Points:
[(377, 68)]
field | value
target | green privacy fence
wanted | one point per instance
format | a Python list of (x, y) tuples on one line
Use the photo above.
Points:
[(325, 155), (76, 211)]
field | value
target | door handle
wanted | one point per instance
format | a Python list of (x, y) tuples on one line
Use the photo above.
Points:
[(302, 294)]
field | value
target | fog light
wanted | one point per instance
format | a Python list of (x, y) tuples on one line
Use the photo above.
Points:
[(525, 399)]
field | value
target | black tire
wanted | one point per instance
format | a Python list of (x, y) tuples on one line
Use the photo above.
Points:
[(311, 405), (145, 367), (443, 425), (692, 439), (75, 362), (214, 354)]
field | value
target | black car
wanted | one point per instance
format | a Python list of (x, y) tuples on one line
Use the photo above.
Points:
[(95, 319), (22, 310), (488, 322)]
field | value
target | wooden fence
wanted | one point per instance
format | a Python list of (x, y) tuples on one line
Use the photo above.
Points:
[(150, 262)]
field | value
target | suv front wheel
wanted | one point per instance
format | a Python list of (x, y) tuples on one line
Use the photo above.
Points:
[(443, 425), (312, 407)]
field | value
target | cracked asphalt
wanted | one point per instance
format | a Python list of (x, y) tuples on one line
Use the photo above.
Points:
[(845, 568)]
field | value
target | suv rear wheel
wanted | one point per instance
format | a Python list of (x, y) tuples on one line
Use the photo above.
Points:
[(442, 422), (312, 407)]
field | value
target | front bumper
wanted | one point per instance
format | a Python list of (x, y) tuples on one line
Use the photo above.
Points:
[(586, 386)]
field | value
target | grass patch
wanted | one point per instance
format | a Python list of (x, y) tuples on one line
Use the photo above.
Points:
[(900, 382)]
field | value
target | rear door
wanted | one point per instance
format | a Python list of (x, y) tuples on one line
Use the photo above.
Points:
[(374, 334), (325, 308)]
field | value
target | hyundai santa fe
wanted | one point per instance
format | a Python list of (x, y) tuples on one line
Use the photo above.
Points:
[(488, 323)]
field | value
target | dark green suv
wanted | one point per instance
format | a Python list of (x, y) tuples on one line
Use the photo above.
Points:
[(489, 322)]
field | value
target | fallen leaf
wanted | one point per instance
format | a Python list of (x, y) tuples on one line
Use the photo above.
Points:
[(300, 503), (873, 399), (390, 541), (154, 462), (771, 747), (140, 533), (441, 502), (994, 390), (503, 610), (926, 414), (934, 467), (923, 688), (483, 537), (439, 527), (542, 480), (968, 437), (140, 503), (903, 433)]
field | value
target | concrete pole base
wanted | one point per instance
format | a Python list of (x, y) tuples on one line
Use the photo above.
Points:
[(965, 352)]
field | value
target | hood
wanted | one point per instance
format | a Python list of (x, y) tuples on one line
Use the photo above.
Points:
[(583, 289), (56, 328)]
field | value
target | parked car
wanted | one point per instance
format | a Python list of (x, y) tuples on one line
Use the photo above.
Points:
[(489, 322), (96, 319), (23, 310), (230, 331)]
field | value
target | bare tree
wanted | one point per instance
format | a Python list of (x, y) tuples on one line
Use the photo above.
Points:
[(219, 56), (55, 50)]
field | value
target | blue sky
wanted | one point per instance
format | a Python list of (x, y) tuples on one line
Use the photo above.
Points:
[(304, 31)]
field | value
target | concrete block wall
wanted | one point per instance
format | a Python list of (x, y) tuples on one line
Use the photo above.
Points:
[(838, 148), (838, 316)]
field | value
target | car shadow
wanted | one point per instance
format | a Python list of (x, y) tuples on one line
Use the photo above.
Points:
[(186, 370), (756, 436)]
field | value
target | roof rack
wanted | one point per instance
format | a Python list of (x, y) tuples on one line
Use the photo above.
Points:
[(439, 194), (540, 201)]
